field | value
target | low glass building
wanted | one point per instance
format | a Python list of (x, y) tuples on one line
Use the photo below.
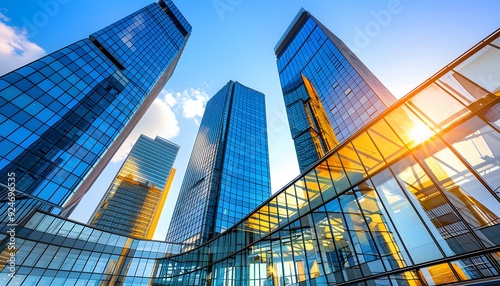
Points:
[(50, 250)]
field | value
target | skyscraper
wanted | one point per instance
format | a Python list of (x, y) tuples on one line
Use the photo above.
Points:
[(64, 116), (134, 201), (329, 93), (228, 173)]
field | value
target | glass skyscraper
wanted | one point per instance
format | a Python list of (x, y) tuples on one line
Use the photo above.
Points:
[(134, 201), (63, 117), (329, 93), (228, 173)]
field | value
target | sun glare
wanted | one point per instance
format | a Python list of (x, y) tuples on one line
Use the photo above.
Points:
[(420, 133)]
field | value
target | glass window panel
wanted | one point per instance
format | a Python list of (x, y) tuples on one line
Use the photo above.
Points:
[(462, 88), (436, 107), (71, 258), (479, 145), (483, 69), (58, 258), (282, 208), (415, 236), (406, 278), (324, 180), (474, 268), (345, 252), (273, 214), (492, 115), (291, 203), (386, 140), (408, 127), (36, 252), (478, 207), (313, 189), (358, 230), (352, 166), (370, 156), (438, 274), (301, 195), (337, 173), (440, 217), (385, 236)]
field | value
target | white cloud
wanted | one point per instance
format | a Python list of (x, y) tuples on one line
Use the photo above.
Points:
[(159, 120), (191, 102), (161, 117), (16, 49), (169, 98)]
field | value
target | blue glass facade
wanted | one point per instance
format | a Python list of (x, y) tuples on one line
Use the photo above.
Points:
[(228, 172), (313, 62), (63, 116), (134, 201)]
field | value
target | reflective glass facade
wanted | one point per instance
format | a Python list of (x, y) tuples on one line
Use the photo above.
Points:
[(410, 199), (54, 251), (329, 93), (63, 116), (228, 173), (134, 201)]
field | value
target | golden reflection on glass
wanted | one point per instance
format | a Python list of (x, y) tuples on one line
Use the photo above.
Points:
[(253, 223), (301, 196), (386, 141), (291, 203), (313, 190), (352, 166), (382, 232), (408, 127), (325, 181), (282, 208), (440, 274), (324, 137), (371, 158), (273, 214), (337, 173)]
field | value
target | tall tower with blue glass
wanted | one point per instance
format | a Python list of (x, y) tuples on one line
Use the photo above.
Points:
[(329, 93), (228, 173), (63, 117)]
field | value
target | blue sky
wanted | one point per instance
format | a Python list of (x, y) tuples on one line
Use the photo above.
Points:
[(403, 42)]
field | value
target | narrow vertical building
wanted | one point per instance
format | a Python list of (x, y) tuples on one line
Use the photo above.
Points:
[(64, 116), (134, 201), (228, 173), (329, 93)]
